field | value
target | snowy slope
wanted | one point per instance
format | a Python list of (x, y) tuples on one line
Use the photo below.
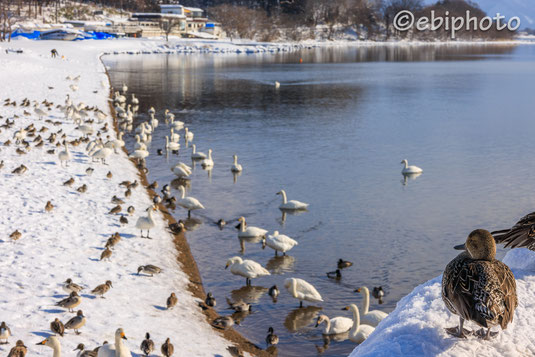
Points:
[(416, 326), (67, 242)]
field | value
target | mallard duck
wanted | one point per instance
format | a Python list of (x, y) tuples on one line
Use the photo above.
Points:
[(82, 188), (342, 264), (123, 220), (70, 302), (167, 348), (102, 289), (57, 327), (210, 300), (115, 209), (76, 322), (5, 332), (83, 352), (521, 235), (479, 288), (19, 350), (117, 200), (171, 300), (149, 269), (147, 346), (271, 338)]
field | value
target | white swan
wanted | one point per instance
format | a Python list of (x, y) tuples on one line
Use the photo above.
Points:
[(358, 332), (174, 137), (52, 342), (292, 204), (208, 162), (188, 135), (236, 167), (171, 145), (410, 169), (197, 155), (249, 231), (181, 170), (279, 242), (152, 111), (139, 145), (125, 88), (115, 350), (40, 112), (146, 223), (153, 121), (117, 143), (85, 129), (139, 154), (277, 85), (189, 203), (135, 101), (335, 325), (302, 290), (65, 155), (373, 317), (249, 269), (102, 154)]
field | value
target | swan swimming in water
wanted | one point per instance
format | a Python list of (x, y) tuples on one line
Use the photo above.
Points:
[(236, 167), (249, 231), (335, 325), (197, 155), (302, 290), (208, 162), (292, 204), (358, 333), (410, 169), (373, 317)]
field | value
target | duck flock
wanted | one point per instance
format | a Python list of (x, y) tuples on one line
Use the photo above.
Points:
[(475, 286)]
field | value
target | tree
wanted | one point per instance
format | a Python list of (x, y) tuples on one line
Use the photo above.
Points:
[(167, 26), (8, 18)]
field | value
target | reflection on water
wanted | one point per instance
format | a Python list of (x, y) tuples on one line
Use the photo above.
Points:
[(333, 135), (408, 177)]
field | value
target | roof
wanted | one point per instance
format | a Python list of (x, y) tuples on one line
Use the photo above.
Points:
[(170, 6), (156, 15), (194, 9)]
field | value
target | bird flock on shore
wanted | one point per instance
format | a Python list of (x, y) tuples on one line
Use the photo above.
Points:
[(475, 285)]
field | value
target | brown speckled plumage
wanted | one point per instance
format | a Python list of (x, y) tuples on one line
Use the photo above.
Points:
[(521, 235)]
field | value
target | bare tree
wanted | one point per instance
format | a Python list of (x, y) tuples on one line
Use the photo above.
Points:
[(8, 18), (168, 25)]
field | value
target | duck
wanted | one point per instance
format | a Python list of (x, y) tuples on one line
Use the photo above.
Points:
[(69, 286), (279, 242), (302, 290), (106, 254), (358, 333), (291, 205), (52, 342), (337, 274), (147, 346), (249, 231), (49, 206), (197, 155), (223, 322), (407, 170), (15, 235), (171, 145), (479, 288), (146, 223), (236, 167), (19, 350), (70, 302), (210, 300), (123, 220), (115, 350), (221, 223), (336, 325), (5, 332), (115, 209), (342, 264), (65, 155), (102, 289), (57, 327), (239, 306), (274, 292), (271, 338), (378, 292), (189, 203), (171, 301), (373, 317), (521, 235), (76, 322), (83, 352), (208, 162), (131, 210), (89, 171), (249, 269), (167, 348), (149, 269)]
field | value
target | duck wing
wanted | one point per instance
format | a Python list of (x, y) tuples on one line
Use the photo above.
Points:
[(522, 234)]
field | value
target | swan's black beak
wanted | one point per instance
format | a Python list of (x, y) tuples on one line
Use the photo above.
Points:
[(460, 247)]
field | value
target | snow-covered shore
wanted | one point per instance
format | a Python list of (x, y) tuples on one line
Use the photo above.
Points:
[(67, 242), (416, 326)]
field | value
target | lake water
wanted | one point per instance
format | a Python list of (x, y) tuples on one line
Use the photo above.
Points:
[(333, 135)]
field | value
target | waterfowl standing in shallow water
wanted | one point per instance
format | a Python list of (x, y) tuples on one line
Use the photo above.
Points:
[(279, 242), (521, 235), (57, 327), (208, 162), (5, 332), (249, 269), (336, 325), (407, 170), (302, 290), (76, 322), (249, 231), (291, 205), (239, 306), (344, 264), (189, 203), (147, 346), (358, 333), (373, 317), (197, 155), (479, 288)]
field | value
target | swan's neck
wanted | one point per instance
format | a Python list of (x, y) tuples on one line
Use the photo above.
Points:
[(209, 155), (235, 160), (294, 288), (194, 149), (242, 226), (182, 193), (118, 345), (284, 199), (57, 350), (406, 163), (356, 320), (366, 301), (328, 327)]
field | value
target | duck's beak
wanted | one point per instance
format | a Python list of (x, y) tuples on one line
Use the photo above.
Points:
[(460, 247)]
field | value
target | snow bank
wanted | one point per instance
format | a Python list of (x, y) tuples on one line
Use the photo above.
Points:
[(416, 326), (68, 241)]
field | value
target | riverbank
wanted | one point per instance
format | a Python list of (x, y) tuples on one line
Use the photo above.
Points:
[(68, 240)]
